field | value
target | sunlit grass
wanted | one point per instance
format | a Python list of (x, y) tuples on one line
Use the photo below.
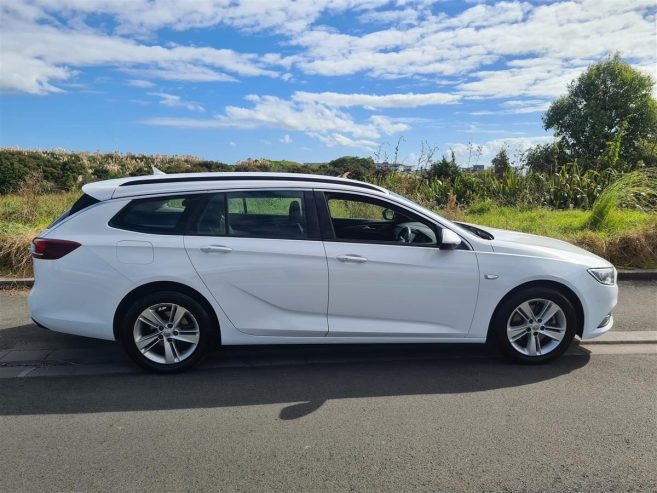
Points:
[(558, 223)]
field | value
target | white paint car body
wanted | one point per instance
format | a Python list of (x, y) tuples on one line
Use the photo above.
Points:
[(287, 291)]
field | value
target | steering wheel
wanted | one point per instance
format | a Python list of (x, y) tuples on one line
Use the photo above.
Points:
[(406, 234)]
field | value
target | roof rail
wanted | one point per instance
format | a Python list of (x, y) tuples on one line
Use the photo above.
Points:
[(246, 177)]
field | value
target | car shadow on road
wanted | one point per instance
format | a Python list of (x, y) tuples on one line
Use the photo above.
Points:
[(299, 378)]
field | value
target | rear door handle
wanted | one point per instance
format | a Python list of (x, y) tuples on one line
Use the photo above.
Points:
[(357, 259), (216, 249)]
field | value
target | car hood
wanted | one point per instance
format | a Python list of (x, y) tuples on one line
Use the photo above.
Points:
[(514, 242)]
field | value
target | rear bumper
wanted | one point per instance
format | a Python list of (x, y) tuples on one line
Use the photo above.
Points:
[(67, 299)]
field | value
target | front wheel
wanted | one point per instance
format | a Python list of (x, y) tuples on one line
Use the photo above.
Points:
[(535, 325), (166, 332)]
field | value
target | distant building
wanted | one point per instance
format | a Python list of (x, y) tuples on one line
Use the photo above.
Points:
[(405, 168), (475, 168)]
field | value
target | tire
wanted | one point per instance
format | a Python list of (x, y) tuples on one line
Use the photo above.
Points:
[(530, 338), (167, 332)]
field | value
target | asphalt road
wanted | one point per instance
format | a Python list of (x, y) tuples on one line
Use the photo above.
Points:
[(335, 419)]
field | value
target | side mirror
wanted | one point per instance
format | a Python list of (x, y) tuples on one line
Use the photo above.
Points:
[(388, 214), (449, 239)]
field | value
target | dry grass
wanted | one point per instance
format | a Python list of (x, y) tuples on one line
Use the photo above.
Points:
[(15, 256), (635, 249)]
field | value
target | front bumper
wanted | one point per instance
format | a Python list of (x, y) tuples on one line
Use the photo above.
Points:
[(599, 302), (598, 331)]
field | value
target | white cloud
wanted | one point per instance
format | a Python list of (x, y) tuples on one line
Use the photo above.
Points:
[(517, 107), (185, 72), (30, 74), (331, 126), (477, 128), (406, 16), (541, 48), (141, 83), (232, 144), (139, 16), (174, 101), (34, 55), (340, 140), (286, 139), (403, 100)]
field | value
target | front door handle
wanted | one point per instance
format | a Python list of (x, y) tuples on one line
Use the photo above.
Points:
[(357, 259), (216, 249)]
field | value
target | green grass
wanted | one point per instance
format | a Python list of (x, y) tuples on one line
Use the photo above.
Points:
[(18, 213), (557, 223)]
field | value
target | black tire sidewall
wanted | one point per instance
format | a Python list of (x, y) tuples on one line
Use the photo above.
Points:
[(509, 305), (197, 310)]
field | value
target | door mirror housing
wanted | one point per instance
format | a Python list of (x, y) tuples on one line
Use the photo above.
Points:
[(449, 240), (388, 214)]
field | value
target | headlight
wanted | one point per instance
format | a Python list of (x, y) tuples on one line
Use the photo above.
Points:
[(604, 275)]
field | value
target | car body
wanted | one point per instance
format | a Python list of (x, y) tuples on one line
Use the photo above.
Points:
[(296, 259)]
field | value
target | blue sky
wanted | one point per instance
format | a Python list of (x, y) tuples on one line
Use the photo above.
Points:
[(306, 80)]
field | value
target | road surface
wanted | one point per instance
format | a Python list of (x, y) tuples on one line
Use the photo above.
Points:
[(354, 418)]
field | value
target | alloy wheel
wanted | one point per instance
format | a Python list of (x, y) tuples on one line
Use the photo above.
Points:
[(166, 333), (536, 327)]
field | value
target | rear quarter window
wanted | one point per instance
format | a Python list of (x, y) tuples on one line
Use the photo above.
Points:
[(80, 204), (158, 215)]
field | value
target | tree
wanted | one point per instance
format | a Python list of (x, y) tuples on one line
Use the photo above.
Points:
[(445, 168), (543, 158), (501, 163), (357, 167), (610, 102)]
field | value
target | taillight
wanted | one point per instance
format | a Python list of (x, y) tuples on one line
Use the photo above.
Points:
[(47, 249)]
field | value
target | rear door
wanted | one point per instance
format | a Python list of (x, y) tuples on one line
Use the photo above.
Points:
[(260, 254), (387, 274)]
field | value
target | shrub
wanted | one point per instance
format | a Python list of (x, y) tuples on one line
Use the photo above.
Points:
[(637, 189)]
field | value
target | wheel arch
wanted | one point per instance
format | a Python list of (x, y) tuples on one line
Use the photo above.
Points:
[(562, 288), (161, 286)]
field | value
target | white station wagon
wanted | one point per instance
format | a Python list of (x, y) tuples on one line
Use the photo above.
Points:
[(171, 265)]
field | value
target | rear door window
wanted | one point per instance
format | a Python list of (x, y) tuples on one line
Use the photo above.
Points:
[(280, 214), (267, 214)]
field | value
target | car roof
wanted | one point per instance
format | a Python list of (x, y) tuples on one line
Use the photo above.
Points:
[(187, 182)]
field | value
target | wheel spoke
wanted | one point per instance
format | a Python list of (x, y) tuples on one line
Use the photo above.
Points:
[(174, 350), (525, 311), (177, 313), (152, 317), (553, 333), (146, 343), (539, 349), (516, 332), (143, 319), (549, 311), (531, 345), (168, 353), (189, 337)]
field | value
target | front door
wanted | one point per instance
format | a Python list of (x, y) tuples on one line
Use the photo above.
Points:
[(260, 255), (387, 275)]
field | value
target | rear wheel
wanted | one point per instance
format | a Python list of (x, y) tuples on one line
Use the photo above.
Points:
[(166, 332), (535, 325)]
